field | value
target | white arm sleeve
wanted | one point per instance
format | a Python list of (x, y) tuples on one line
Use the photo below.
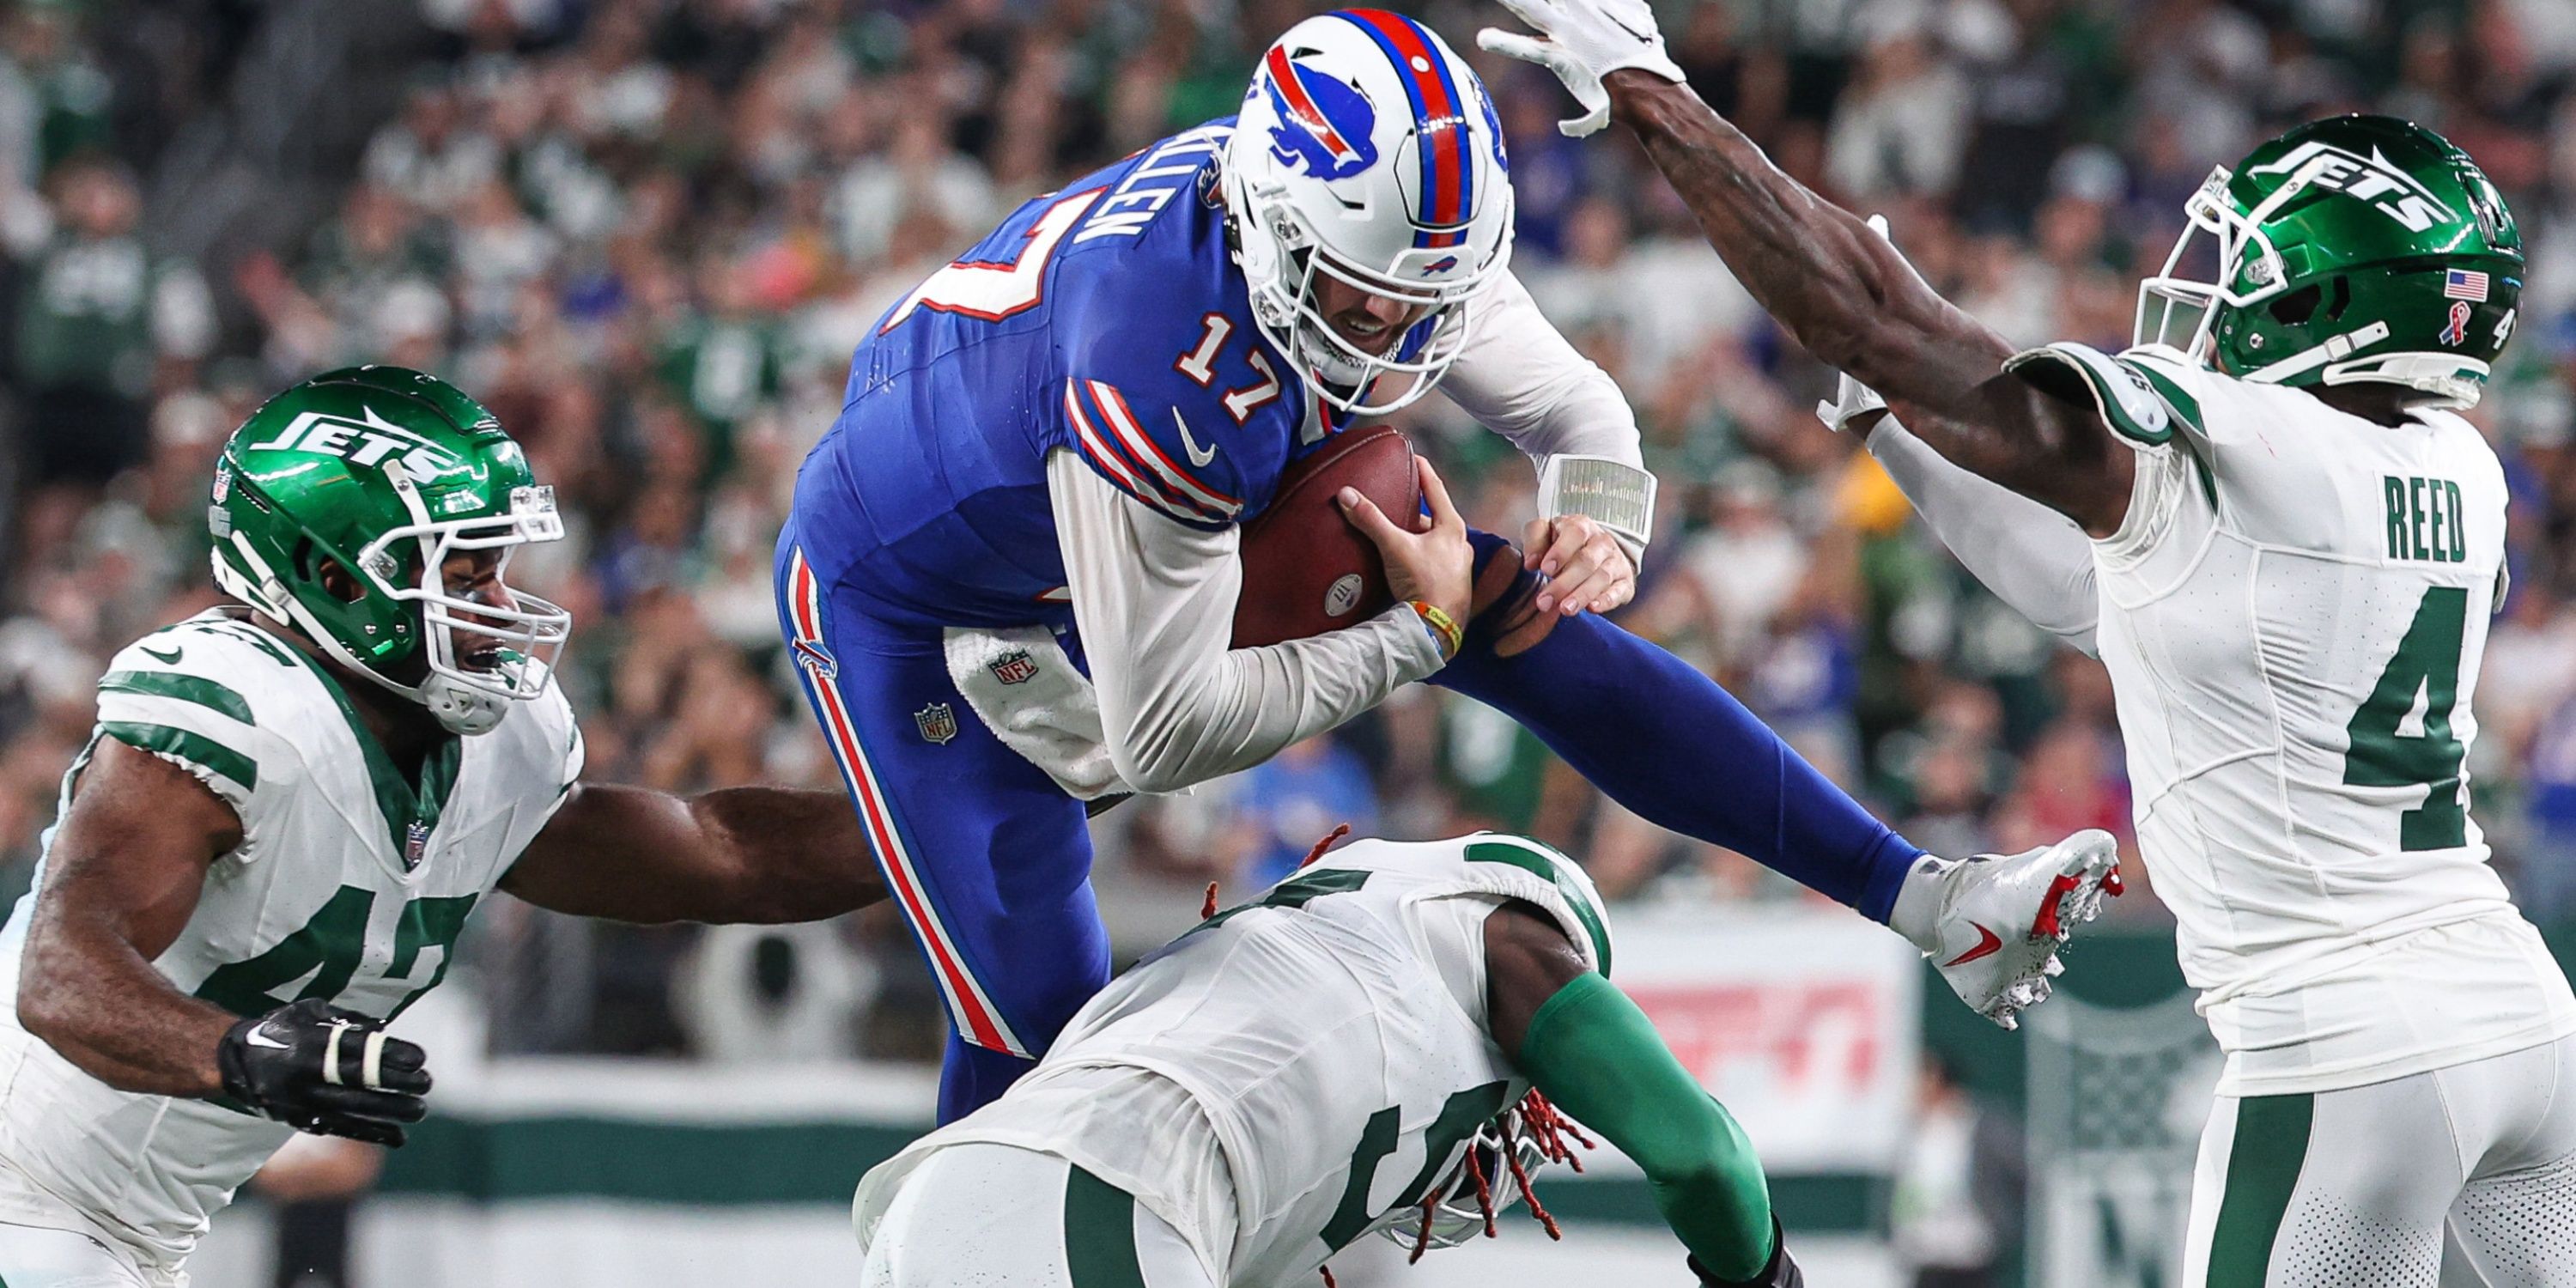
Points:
[(1154, 600), (2032, 557), (1520, 378)]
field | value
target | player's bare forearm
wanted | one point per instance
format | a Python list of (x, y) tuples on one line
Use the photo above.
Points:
[(122, 878), (1840, 289), (1850, 299), (741, 854)]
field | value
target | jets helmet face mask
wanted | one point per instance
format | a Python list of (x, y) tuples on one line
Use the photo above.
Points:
[(2355, 249), (388, 473), (1367, 154)]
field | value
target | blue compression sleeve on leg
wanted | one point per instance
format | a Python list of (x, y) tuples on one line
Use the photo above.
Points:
[(972, 1077), (1665, 741)]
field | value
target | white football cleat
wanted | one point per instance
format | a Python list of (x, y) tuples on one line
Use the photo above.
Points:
[(1993, 923)]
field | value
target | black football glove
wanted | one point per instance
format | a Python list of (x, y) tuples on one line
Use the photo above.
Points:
[(1779, 1272), (321, 1069)]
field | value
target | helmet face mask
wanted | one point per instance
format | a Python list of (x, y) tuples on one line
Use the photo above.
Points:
[(1367, 154), (2351, 250), (525, 635), (390, 475)]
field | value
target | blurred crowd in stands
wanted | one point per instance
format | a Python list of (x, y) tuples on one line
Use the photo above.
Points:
[(648, 233)]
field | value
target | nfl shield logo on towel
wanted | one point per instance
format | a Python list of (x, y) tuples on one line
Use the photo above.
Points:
[(415, 844), (1015, 667), (937, 722)]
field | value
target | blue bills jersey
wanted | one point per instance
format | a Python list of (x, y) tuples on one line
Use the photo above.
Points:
[(1107, 318)]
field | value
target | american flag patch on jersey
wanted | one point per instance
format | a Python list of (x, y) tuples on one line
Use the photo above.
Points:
[(2462, 284)]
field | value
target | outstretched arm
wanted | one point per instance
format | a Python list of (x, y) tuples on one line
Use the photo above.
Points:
[(2030, 556), (1588, 1048), (1851, 300), (741, 854), (1841, 291)]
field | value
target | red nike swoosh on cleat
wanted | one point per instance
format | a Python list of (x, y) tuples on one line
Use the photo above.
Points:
[(1987, 945)]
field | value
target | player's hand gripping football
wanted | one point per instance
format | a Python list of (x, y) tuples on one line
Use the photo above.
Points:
[(1582, 41), (1429, 559), (321, 1069), (1587, 569)]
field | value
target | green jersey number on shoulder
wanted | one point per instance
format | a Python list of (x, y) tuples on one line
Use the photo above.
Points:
[(2426, 667), (1459, 1118), (1297, 892), (326, 953)]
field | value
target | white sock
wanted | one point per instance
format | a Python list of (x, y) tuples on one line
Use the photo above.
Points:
[(1917, 913)]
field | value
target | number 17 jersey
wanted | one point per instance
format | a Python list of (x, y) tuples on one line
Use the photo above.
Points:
[(2293, 614)]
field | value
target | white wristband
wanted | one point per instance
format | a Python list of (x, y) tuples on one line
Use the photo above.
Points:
[(1612, 493)]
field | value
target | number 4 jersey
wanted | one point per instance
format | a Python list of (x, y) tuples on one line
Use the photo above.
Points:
[(2293, 614), (350, 885), (1294, 1072)]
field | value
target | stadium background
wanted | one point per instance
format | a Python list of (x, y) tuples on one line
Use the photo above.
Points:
[(648, 232)]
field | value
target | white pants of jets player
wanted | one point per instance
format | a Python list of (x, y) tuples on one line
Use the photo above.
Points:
[(2377, 1186), (37, 1257), (979, 1214)]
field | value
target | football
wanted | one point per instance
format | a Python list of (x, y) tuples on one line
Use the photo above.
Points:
[(1306, 570)]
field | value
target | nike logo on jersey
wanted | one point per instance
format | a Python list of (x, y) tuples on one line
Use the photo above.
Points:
[(170, 658), (1198, 455), (1987, 946)]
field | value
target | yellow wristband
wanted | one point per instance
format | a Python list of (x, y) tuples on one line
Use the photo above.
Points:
[(1445, 630)]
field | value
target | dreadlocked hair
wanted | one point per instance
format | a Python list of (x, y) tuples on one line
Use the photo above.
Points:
[(1339, 831), (1207, 906), (1533, 1121)]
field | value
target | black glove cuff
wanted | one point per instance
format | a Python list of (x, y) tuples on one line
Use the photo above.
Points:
[(1778, 1272), (232, 1061)]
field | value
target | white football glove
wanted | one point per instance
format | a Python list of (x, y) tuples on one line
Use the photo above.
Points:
[(1851, 397), (1582, 41)]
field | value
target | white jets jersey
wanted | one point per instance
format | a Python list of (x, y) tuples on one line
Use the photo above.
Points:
[(350, 885), (1295, 1072), (2293, 615)]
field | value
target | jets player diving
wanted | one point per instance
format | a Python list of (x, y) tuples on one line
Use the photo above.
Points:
[(287, 810), (1010, 569), (1353, 1051), (2273, 526)]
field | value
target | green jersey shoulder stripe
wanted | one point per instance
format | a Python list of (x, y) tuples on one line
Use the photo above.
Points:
[(1527, 857), (211, 694), (2119, 390), (2180, 402), (195, 748)]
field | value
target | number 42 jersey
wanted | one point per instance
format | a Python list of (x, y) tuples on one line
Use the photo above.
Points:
[(2293, 614), (350, 885)]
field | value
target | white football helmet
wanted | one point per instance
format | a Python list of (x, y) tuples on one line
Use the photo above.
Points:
[(1367, 153)]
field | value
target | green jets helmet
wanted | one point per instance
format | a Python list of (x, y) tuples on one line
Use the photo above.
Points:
[(388, 472), (2354, 249)]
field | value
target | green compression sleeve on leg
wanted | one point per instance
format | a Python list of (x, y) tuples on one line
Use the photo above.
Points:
[(1591, 1051)]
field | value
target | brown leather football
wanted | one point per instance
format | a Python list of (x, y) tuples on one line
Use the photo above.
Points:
[(1306, 570)]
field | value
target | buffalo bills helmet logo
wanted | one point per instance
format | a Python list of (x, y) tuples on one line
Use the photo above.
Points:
[(1440, 265), (1324, 124)]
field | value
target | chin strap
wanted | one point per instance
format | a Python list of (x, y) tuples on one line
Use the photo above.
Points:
[(1612, 493), (2333, 350)]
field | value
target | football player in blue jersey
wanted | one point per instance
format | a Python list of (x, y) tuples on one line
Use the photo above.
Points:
[(1010, 571)]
